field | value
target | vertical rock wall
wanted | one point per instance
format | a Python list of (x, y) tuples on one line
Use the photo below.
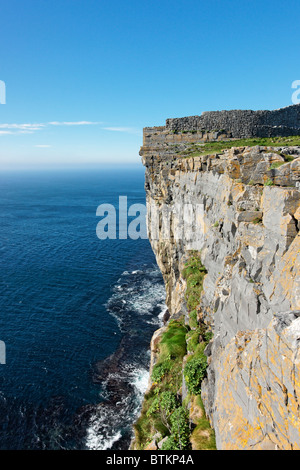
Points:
[(248, 235)]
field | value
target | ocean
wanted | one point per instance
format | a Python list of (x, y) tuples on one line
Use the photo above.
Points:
[(76, 313)]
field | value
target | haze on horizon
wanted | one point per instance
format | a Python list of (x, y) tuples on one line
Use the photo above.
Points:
[(83, 78)]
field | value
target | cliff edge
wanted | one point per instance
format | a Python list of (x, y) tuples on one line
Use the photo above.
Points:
[(223, 205)]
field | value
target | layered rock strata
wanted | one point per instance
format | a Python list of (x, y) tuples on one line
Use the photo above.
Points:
[(241, 209)]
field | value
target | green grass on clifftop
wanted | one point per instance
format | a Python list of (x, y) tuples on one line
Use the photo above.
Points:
[(210, 148)]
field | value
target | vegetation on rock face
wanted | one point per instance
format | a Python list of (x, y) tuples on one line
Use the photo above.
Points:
[(161, 412), (179, 438), (195, 370), (268, 182), (164, 418), (276, 165), (193, 273), (202, 435)]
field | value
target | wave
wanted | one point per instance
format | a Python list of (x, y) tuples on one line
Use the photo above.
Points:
[(138, 304), (110, 425), (139, 292), (100, 435)]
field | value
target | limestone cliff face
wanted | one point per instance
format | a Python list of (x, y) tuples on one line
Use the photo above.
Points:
[(241, 209)]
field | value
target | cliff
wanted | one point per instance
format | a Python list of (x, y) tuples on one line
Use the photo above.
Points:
[(223, 221)]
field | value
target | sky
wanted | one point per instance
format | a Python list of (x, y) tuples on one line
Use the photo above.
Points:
[(83, 77)]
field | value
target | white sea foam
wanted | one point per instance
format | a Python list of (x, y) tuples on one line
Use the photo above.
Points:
[(148, 296), (104, 426), (140, 378), (96, 441), (164, 308), (138, 294)]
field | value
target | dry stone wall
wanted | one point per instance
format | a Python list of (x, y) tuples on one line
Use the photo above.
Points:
[(242, 123)]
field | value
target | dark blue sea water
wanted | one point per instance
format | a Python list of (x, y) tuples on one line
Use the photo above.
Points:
[(76, 313)]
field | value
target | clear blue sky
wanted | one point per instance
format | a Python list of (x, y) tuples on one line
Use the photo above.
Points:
[(83, 77)]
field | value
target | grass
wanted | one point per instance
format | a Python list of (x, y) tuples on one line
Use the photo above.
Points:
[(210, 148), (171, 350), (162, 406), (194, 273), (163, 411), (276, 165), (167, 378), (287, 158), (173, 340), (202, 437), (195, 369)]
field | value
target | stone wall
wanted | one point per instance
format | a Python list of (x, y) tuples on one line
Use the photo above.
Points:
[(242, 123)]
